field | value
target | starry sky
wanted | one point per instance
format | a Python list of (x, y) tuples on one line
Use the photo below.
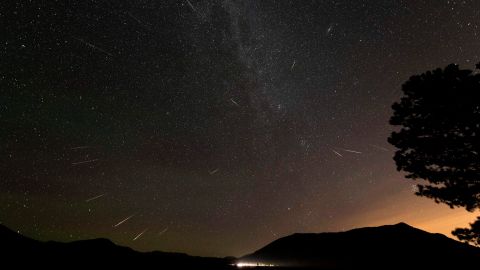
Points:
[(214, 127)]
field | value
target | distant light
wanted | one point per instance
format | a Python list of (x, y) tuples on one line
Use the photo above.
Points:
[(253, 264)]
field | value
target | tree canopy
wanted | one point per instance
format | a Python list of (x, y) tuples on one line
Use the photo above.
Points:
[(438, 138)]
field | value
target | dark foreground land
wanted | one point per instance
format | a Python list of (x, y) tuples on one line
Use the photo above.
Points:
[(397, 246)]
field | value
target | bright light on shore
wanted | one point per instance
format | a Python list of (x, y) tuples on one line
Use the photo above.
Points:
[(252, 264)]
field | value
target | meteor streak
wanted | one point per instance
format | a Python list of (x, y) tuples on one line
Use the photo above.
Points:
[(139, 235), (96, 197), (337, 153), (93, 46), (86, 161), (120, 223), (234, 102), (352, 151), (212, 172)]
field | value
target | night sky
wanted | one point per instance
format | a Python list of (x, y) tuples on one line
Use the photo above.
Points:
[(214, 127)]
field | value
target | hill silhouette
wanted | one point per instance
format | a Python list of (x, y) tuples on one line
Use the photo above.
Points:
[(22, 251), (389, 246), (397, 246)]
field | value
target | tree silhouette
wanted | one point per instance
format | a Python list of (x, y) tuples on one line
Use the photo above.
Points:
[(469, 235), (438, 142)]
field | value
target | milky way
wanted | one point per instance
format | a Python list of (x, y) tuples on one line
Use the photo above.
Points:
[(214, 127)]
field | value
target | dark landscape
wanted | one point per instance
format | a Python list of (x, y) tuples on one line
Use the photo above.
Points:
[(225, 134), (398, 246)]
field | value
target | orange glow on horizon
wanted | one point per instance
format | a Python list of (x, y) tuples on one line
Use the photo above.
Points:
[(419, 212)]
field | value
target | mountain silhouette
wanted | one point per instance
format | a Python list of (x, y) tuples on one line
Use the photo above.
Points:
[(18, 250), (397, 246)]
